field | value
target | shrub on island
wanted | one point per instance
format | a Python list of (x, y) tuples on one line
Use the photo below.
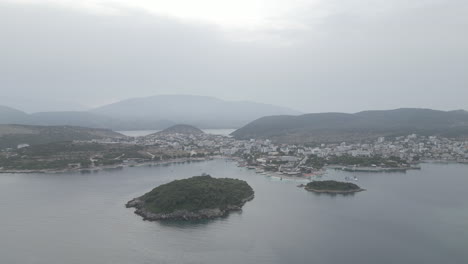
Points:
[(332, 187)]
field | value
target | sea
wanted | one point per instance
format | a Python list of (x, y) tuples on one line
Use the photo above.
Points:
[(420, 216)]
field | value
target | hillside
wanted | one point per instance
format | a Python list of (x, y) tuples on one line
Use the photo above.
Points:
[(200, 111), (12, 135), (181, 129), (336, 127)]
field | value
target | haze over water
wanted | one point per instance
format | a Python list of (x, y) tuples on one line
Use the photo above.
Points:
[(413, 217)]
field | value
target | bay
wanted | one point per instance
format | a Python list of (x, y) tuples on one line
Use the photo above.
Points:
[(416, 217)]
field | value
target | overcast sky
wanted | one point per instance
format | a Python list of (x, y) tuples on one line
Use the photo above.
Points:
[(313, 56)]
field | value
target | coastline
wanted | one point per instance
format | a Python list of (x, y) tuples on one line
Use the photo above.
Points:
[(232, 158), (111, 167), (208, 213), (372, 169)]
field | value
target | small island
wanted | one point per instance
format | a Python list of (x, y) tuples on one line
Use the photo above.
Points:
[(333, 187), (199, 197)]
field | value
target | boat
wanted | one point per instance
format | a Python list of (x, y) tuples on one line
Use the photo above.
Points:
[(292, 173)]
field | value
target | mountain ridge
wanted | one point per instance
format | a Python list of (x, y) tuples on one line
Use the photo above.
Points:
[(335, 127), (155, 112), (199, 111)]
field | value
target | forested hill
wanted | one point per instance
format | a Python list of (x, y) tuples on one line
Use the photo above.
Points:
[(336, 127)]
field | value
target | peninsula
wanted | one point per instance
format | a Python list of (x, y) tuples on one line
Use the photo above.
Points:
[(333, 187), (199, 197)]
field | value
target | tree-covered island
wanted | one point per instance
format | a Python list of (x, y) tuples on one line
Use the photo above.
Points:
[(199, 197), (333, 187)]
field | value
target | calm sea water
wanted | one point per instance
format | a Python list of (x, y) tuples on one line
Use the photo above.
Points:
[(413, 217)]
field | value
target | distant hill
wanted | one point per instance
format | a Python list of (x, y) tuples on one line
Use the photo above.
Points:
[(200, 111), (157, 112), (336, 127), (72, 118), (10, 115), (13, 135), (76, 118), (181, 129)]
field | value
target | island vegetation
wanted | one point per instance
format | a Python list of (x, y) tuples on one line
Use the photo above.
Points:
[(333, 187), (199, 197)]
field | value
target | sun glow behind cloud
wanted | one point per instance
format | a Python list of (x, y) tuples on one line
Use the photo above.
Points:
[(232, 14)]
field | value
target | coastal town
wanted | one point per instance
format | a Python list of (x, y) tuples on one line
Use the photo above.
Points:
[(264, 156)]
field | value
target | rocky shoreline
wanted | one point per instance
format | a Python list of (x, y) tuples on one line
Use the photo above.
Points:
[(333, 191), (208, 213)]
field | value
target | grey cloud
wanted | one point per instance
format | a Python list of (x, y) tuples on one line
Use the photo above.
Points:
[(406, 56)]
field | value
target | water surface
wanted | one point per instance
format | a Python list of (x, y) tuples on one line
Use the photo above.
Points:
[(413, 217)]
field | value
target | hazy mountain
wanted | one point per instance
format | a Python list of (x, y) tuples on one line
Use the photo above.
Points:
[(335, 127), (12, 135), (10, 115), (200, 111), (72, 118), (157, 112)]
